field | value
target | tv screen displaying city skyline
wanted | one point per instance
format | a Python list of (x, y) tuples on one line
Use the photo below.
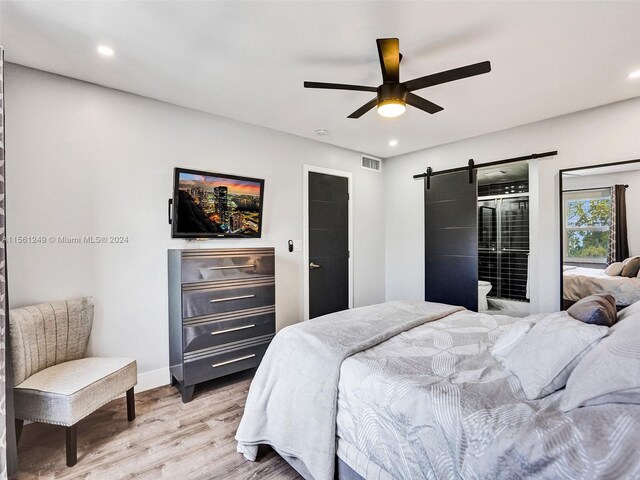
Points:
[(216, 205)]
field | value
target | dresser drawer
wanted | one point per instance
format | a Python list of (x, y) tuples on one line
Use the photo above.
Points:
[(208, 266), (197, 302), (220, 332), (207, 364)]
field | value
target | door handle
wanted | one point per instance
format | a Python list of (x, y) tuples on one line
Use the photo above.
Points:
[(313, 266)]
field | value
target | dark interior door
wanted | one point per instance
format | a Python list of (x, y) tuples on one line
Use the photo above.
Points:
[(451, 240), (328, 244)]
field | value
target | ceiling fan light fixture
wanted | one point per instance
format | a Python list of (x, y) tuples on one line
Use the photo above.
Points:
[(392, 108)]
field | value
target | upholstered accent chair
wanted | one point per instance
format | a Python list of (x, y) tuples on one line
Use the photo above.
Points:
[(53, 380)]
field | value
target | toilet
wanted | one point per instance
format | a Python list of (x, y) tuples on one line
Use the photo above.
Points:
[(483, 289)]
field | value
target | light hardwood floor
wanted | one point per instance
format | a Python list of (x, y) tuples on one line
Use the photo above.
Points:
[(168, 439)]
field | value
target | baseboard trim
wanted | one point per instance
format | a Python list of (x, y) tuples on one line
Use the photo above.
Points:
[(153, 379)]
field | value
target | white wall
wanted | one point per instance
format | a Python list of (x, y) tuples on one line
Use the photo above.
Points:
[(87, 160), (631, 178), (601, 135)]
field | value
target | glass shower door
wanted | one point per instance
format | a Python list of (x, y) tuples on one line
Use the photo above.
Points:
[(514, 248), (503, 245), (488, 243)]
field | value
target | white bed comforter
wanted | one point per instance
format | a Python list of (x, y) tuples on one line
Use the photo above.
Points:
[(581, 282), (292, 400), (432, 403)]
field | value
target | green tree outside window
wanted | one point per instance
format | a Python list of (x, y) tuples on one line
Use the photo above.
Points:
[(587, 223)]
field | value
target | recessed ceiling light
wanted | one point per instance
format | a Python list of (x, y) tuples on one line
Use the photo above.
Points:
[(106, 51), (393, 143), (321, 131), (635, 74)]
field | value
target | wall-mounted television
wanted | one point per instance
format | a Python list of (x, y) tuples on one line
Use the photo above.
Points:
[(213, 205)]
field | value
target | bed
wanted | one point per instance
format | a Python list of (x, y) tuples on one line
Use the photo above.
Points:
[(427, 401), (580, 282)]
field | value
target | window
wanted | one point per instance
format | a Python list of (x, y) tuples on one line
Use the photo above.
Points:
[(587, 218)]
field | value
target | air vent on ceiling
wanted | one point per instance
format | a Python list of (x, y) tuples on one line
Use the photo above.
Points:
[(370, 163)]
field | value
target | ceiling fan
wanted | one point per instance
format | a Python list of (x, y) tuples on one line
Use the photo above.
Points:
[(393, 95)]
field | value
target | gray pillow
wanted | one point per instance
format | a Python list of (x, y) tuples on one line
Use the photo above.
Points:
[(610, 372), (631, 268), (595, 309)]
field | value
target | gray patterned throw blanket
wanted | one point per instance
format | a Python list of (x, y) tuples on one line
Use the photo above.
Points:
[(292, 400), (432, 403)]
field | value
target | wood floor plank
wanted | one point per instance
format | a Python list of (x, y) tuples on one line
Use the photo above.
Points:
[(168, 439)]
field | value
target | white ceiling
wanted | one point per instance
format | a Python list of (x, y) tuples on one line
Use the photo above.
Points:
[(247, 60)]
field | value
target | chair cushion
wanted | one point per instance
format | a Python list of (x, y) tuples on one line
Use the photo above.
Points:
[(66, 393)]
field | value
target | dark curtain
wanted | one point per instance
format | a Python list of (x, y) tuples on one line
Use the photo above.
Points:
[(618, 242)]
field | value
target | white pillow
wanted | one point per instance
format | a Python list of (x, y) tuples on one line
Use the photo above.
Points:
[(614, 270), (547, 355), (610, 372), (628, 311), (510, 338)]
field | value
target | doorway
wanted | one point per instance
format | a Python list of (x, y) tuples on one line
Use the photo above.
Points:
[(503, 239), (328, 241)]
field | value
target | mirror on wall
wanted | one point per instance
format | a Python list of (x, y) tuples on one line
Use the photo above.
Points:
[(600, 232)]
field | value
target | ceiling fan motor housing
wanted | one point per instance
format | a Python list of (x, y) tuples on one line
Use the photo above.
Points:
[(392, 92)]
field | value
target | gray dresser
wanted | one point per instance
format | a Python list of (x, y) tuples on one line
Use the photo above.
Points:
[(221, 312)]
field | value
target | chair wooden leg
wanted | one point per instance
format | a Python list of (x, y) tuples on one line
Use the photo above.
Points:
[(19, 425), (72, 445), (131, 405)]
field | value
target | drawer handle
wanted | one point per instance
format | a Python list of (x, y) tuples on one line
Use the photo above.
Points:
[(240, 297), (216, 365), (220, 332), (251, 265)]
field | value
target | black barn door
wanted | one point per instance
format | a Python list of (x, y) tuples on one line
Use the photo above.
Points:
[(328, 244), (451, 240)]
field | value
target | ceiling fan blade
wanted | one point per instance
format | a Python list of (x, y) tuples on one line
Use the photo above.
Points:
[(419, 102), (339, 86), (389, 54), (448, 76), (364, 109)]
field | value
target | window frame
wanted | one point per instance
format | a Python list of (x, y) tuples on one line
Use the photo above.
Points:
[(583, 194)]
